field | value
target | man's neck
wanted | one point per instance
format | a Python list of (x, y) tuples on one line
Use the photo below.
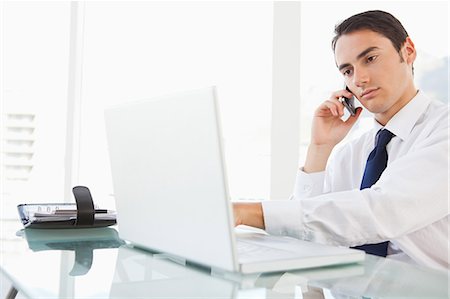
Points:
[(383, 118)]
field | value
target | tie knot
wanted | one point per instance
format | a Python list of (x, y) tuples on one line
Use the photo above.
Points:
[(384, 136)]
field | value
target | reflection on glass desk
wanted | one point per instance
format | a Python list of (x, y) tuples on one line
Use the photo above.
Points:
[(81, 241), (95, 263)]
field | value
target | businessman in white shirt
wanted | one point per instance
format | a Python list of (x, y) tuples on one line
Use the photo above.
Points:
[(387, 191)]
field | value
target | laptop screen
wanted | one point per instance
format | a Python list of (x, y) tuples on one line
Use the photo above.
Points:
[(169, 177)]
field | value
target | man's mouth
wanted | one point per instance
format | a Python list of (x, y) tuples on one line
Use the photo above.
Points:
[(369, 92)]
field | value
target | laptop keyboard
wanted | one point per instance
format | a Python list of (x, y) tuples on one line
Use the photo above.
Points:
[(253, 250)]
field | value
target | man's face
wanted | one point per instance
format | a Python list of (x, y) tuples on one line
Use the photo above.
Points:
[(378, 75)]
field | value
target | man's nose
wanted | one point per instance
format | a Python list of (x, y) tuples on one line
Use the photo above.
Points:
[(360, 77)]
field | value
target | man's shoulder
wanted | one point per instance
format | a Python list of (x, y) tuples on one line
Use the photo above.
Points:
[(437, 114), (440, 107), (432, 127)]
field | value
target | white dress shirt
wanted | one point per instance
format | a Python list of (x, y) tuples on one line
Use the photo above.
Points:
[(409, 205)]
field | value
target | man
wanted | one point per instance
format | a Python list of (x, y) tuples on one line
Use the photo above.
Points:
[(387, 191)]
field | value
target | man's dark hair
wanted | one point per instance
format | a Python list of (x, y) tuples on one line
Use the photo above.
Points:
[(375, 20)]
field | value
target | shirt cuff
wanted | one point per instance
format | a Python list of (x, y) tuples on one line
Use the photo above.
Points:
[(308, 184), (283, 217)]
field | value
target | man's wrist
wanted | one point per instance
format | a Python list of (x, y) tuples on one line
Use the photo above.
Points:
[(250, 214), (317, 158)]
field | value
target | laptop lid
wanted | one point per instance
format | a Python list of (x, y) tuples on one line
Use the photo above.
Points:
[(166, 153)]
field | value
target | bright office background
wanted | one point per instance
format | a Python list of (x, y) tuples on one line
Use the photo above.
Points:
[(135, 50)]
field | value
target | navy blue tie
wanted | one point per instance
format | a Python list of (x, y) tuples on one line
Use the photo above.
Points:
[(376, 163)]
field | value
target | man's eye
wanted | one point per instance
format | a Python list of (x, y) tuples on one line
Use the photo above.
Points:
[(347, 72), (371, 58)]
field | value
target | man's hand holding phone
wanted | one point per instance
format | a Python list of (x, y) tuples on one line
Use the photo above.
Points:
[(328, 129), (348, 102)]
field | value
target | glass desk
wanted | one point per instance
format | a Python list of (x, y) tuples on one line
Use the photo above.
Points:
[(95, 263)]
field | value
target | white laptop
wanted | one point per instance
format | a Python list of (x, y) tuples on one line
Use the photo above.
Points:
[(171, 191)]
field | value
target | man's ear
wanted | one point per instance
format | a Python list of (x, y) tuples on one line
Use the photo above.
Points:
[(409, 51)]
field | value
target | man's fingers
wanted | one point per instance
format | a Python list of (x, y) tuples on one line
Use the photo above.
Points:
[(340, 93), (353, 118), (334, 107)]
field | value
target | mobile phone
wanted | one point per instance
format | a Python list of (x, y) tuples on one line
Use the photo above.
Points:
[(348, 103)]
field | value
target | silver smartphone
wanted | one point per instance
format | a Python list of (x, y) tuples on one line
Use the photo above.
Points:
[(348, 103)]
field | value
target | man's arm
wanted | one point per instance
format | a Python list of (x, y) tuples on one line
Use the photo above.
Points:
[(328, 129)]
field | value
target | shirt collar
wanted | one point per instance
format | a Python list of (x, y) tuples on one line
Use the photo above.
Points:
[(402, 123)]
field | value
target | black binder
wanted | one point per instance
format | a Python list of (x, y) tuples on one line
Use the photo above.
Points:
[(66, 215)]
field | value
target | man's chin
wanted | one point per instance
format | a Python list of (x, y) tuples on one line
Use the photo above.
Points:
[(372, 107)]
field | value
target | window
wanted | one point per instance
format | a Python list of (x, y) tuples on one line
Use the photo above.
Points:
[(145, 49), (34, 51), (138, 50)]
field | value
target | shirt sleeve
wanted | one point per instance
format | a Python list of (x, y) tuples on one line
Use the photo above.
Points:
[(308, 184)]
